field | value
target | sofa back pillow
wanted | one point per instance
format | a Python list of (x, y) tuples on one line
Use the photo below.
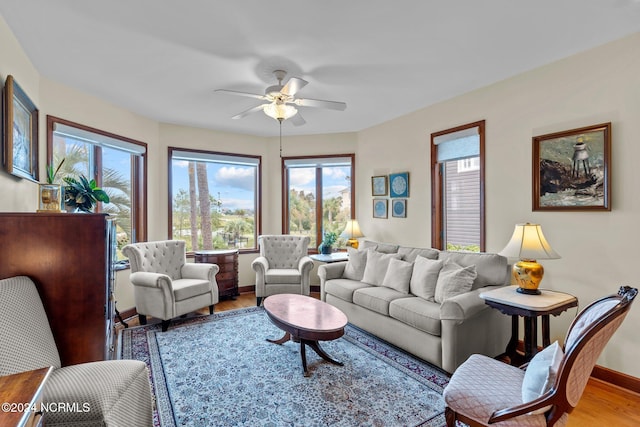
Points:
[(454, 280), (424, 277), (386, 248), (491, 269), (410, 254), (354, 269), (376, 268), (398, 275)]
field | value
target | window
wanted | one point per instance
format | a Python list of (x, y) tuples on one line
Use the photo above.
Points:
[(457, 179), (116, 163), (318, 195), (214, 199)]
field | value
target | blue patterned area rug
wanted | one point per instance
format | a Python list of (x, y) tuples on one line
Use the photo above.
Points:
[(220, 371)]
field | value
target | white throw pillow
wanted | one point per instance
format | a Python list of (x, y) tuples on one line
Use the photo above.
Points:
[(424, 277), (354, 269), (398, 275), (454, 280), (541, 374), (376, 268)]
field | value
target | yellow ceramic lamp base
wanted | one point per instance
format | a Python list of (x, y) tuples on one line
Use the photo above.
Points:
[(528, 275), (353, 243)]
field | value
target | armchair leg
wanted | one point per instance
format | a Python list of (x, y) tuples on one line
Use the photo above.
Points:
[(211, 309), (165, 325), (450, 417), (142, 318), (258, 301)]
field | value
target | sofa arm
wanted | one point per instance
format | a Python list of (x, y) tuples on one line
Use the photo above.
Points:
[(463, 306), (333, 270), (203, 271)]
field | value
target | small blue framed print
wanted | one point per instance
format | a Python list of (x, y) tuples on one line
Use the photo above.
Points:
[(399, 184), (379, 185), (380, 208), (399, 208)]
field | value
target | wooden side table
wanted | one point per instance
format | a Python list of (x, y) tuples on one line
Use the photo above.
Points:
[(530, 307), (20, 395), (227, 277)]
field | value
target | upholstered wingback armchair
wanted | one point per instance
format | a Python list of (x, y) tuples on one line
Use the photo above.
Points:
[(283, 266), (114, 393), (165, 285)]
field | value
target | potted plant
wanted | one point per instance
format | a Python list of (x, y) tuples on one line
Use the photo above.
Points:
[(82, 194), (328, 241), (51, 197)]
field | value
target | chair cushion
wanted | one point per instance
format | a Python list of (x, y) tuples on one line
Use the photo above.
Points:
[(424, 277), (417, 312), (283, 251), (344, 288), (188, 288), (541, 373), (283, 275), (398, 275), (454, 280), (376, 298), (482, 385), (587, 318), (114, 393)]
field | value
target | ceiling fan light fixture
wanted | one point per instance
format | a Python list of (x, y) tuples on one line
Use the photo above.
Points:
[(279, 111)]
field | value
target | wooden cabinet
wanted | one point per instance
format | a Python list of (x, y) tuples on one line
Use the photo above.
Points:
[(70, 259), (227, 277)]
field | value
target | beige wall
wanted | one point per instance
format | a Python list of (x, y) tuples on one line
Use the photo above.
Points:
[(597, 248), (597, 86)]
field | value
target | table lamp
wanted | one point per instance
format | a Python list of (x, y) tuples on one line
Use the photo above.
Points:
[(528, 244), (352, 232)]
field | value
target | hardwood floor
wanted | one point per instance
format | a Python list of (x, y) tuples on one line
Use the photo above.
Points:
[(602, 404)]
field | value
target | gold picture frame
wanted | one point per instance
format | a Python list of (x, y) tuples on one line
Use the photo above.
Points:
[(572, 170), (20, 136)]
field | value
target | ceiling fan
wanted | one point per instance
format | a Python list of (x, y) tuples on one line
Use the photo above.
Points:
[(281, 101)]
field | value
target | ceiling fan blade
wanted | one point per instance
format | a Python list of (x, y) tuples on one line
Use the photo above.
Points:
[(235, 92), (249, 111), (332, 105), (297, 120), (293, 85)]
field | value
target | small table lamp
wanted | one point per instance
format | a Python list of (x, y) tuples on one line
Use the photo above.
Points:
[(352, 232), (528, 244)]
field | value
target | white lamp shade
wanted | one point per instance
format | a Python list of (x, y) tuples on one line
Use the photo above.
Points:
[(528, 242), (280, 111), (352, 230)]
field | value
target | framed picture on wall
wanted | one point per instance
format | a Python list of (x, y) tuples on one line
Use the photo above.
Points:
[(399, 208), (399, 184), (379, 185), (380, 208), (20, 139), (571, 170)]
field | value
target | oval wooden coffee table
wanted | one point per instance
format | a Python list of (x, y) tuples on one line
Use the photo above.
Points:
[(305, 320)]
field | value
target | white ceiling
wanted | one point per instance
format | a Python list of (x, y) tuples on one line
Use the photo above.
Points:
[(385, 58)]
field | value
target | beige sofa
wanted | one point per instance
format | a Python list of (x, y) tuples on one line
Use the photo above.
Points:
[(422, 300)]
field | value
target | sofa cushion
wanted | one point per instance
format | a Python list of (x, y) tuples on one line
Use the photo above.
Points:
[(454, 280), (354, 269), (410, 254), (424, 277), (385, 248), (491, 268), (398, 275), (343, 288), (418, 313), (283, 275), (376, 298), (376, 268)]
